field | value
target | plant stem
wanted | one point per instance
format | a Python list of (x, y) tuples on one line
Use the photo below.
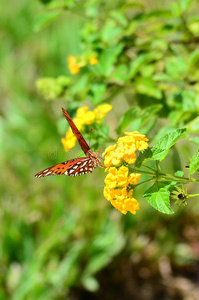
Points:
[(192, 195), (148, 168), (163, 176), (141, 171), (143, 182)]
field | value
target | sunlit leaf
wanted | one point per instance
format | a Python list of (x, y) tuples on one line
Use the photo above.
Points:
[(45, 19), (194, 164), (159, 199)]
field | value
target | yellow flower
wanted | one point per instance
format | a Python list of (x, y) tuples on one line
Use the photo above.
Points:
[(118, 182), (93, 61), (73, 66), (134, 178), (129, 204), (101, 111)]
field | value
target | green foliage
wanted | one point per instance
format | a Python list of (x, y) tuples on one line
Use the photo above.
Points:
[(159, 199), (194, 164), (59, 234)]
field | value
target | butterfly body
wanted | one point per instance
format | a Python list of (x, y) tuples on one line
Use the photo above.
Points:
[(77, 166)]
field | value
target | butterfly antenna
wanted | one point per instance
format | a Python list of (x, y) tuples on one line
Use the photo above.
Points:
[(90, 136)]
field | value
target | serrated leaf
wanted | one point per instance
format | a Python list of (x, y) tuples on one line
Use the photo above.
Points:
[(159, 199), (170, 138), (161, 149), (194, 164), (45, 19)]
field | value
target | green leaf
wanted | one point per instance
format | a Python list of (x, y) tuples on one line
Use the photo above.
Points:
[(177, 67), (81, 84), (179, 173), (194, 139), (119, 17), (194, 58), (189, 101), (151, 111), (111, 31), (45, 19), (129, 116), (161, 149), (107, 59), (170, 138), (164, 130), (121, 74), (185, 4), (138, 62), (159, 199), (147, 86), (194, 164), (97, 91), (67, 265), (90, 283)]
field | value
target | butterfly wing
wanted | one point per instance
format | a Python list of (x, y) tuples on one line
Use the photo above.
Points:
[(73, 167), (85, 147)]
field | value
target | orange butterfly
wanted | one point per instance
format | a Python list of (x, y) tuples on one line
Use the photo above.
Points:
[(77, 166)]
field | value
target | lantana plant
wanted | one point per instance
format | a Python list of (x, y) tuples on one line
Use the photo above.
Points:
[(124, 162)]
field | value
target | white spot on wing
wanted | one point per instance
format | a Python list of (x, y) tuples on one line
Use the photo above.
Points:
[(46, 174), (84, 163)]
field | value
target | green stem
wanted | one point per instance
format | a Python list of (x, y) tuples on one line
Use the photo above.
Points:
[(148, 168), (141, 171), (192, 195), (178, 178), (143, 182), (163, 176)]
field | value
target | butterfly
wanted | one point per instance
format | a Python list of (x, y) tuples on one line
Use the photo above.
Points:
[(77, 166)]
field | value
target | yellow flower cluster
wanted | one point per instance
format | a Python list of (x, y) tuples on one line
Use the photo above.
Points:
[(73, 66), (118, 182), (124, 150), (74, 63), (85, 117), (93, 61)]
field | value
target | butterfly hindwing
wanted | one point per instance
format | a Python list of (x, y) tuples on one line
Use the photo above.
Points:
[(85, 147), (73, 167)]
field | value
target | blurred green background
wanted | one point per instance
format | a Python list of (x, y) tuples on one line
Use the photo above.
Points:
[(60, 238)]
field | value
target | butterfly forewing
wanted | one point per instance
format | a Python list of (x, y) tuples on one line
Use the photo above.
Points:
[(85, 147), (77, 166), (73, 167)]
